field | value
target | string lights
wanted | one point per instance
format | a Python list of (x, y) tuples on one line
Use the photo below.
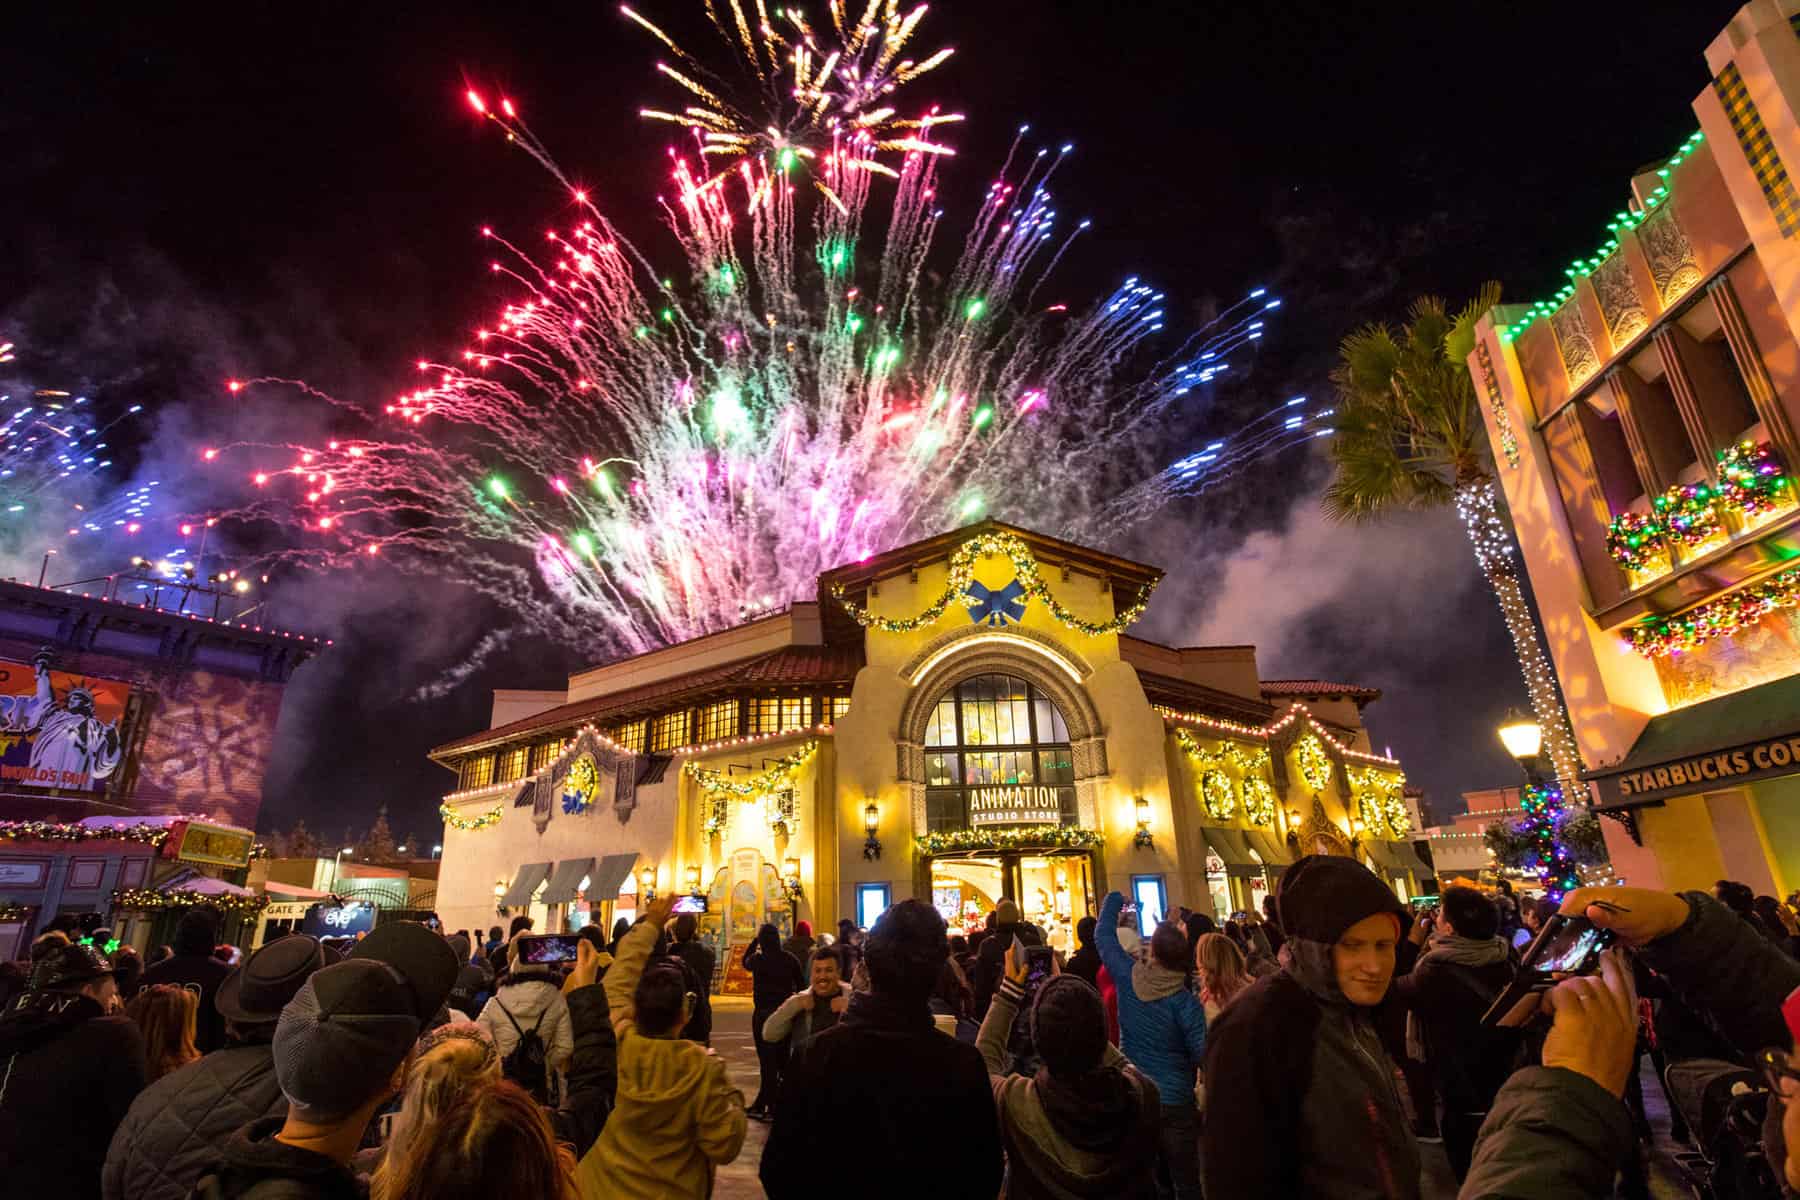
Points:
[(151, 900), (1314, 763), (52, 831), (1034, 837), (1718, 618), (775, 778), (1254, 790), (1381, 800), (1621, 222), (961, 574), (1478, 506)]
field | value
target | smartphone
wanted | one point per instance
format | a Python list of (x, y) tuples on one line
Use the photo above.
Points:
[(1566, 945), (1040, 964), (538, 948), (689, 904)]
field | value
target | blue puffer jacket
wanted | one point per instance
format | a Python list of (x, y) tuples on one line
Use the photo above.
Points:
[(1162, 1028)]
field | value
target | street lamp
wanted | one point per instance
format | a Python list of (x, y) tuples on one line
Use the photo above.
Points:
[(693, 880), (871, 823), (436, 850), (647, 884), (1523, 739), (1142, 839), (45, 569), (336, 859)]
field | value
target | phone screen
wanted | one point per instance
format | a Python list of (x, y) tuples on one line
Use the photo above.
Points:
[(689, 904), (1040, 963), (547, 947), (1567, 946)]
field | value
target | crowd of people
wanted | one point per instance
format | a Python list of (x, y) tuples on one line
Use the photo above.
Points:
[(1306, 1050)]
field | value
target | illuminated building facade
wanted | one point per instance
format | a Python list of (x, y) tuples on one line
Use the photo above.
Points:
[(957, 720), (1644, 424)]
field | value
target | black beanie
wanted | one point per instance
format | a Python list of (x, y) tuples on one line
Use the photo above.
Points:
[(1322, 895), (1068, 1025)]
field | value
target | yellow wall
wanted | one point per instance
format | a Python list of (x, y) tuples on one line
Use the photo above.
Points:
[(1680, 835)]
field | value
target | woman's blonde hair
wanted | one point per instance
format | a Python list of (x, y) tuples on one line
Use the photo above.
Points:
[(1221, 966), (493, 1142), (166, 1015), (457, 1057)]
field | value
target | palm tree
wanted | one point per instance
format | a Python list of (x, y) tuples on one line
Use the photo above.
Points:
[(1410, 436)]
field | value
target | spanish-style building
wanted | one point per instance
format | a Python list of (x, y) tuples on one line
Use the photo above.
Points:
[(957, 720), (1644, 422)]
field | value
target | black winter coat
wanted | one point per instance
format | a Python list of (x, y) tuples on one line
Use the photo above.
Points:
[(697, 956), (593, 1070), (200, 973), (773, 977), (176, 1126), (1469, 1063), (70, 1073), (917, 1106), (1085, 964), (254, 1165)]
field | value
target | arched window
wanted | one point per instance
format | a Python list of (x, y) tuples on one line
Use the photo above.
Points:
[(997, 754)]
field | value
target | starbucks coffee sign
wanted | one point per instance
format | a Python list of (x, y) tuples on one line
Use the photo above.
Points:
[(1017, 805)]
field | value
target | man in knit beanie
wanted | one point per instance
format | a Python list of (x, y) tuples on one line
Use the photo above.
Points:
[(1314, 1108)]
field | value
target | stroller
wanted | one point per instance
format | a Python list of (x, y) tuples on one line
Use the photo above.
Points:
[(1724, 1105)]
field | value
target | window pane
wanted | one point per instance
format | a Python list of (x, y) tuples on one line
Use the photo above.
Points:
[(719, 721), (669, 731), (839, 706), (1056, 768), (940, 770), (983, 769)]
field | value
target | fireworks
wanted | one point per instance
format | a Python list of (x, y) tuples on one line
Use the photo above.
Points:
[(824, 382), (54, 456)]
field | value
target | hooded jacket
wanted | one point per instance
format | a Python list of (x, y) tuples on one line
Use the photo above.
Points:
[(676, 1118), (176, 1125), (1162, 1026), (68, 1073), (1111, 1155), (793, 1021), (254, 1164), (1308, 1105), (527, 998)]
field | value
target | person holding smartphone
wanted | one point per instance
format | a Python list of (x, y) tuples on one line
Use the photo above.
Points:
[(1560, 1129)]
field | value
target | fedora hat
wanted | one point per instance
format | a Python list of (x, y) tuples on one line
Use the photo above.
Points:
[(257, 991)]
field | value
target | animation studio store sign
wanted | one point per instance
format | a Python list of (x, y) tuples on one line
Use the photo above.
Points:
[(1017, 805), (1775, 756)]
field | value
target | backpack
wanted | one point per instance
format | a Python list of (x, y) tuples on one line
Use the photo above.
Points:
[(528, 1063)]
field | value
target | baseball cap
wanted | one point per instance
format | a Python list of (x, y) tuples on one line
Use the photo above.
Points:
[(423, 958), (342, 1035), (257, 991), (70, 963)]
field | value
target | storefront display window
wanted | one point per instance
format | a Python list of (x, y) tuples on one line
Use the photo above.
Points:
[(997, 753), (1218, 886), (872, 899)]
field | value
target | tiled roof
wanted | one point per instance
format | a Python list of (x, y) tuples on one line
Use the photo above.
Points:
[(790, 666), (1174, 693), (1318, 687)]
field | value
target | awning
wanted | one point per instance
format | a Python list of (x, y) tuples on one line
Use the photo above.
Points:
[(1735, 739), (190, 880), (565, 881), (1233, 851), (605, 880), (1271, 846), (524, 883), (1395, 858), (1409, 856), (293, 890)]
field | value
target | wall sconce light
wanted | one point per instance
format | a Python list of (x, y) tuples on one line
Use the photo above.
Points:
[(1357, 829), (1293, 826), (693, 880), (790, 880), (871, 822), (647, 884), (1142, 840)]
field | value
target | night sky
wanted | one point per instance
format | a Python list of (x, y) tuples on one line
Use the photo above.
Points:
[(202, 191)]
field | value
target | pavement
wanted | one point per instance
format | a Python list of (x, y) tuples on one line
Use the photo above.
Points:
[(737, 1180)]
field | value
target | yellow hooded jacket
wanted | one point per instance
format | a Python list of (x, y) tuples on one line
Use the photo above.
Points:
[(675, 1118)]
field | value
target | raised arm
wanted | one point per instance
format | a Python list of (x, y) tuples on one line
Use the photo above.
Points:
[(1106, 939)]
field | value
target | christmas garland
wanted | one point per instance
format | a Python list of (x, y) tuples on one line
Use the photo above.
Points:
[(962, 574), (1385, 796), (1752, 479), (1372, 816), (52, 831), (1254, 790), (1035, 837), (479, 821), (149, 900), (1314, 763), (1215, 794), (1635, 541), (717, 783), (1689, 513), (1717, 618)]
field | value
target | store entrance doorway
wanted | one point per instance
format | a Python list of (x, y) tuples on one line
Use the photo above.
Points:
[(1054, 889)]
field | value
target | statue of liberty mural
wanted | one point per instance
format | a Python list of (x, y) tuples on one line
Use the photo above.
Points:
[(72, 746)]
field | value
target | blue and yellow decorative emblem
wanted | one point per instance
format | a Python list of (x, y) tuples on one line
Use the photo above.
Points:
[(580, 785)]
